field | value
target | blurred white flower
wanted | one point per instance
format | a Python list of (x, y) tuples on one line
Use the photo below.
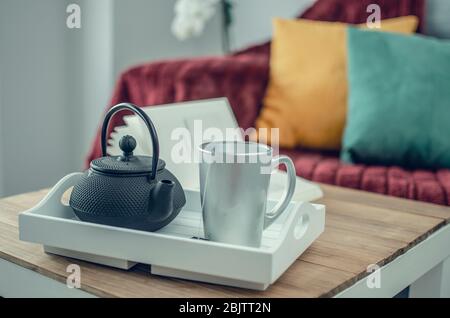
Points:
[(191, 17)]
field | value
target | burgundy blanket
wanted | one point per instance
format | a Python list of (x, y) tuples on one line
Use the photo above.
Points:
[(242, 78)]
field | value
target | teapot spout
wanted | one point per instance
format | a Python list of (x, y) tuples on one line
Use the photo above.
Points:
[(161, 200)]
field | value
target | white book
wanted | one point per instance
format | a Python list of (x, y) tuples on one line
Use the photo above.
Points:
[(215, 113)]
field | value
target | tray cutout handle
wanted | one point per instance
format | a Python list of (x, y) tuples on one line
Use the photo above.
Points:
[(302, 227), (300, 224), (53, 198)]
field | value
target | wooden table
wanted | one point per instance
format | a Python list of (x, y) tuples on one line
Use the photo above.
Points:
[(410, 241)]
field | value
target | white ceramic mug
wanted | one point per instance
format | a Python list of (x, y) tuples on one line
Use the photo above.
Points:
[(234, 181)]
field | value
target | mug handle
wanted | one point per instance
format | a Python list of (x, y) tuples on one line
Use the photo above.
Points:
[(281, 206)]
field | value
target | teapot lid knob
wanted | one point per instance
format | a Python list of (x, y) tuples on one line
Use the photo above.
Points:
[(127, 144)]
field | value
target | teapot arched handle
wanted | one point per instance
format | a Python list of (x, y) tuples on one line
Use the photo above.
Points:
[(148, 123)]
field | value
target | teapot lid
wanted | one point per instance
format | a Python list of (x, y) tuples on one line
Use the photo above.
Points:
[(126, 163)]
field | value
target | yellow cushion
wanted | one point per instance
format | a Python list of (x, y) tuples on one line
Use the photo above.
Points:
[(307, 93)]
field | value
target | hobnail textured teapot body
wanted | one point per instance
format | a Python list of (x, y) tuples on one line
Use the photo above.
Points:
[(130, 191), (131, 202)]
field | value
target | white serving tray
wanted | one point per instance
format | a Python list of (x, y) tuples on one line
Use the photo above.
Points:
[(173, 251)]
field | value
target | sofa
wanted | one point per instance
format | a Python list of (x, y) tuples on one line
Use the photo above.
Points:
[(242, 77)]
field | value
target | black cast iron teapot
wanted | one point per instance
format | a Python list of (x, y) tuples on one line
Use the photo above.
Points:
[(128, 191)]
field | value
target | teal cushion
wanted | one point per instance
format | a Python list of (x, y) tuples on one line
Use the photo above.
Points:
[(399, 100)]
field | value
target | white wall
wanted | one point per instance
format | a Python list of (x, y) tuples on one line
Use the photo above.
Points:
[(2, 186), (253, 18), (142, 33), (33, 127), (438, 18), (91, 80), (55, 82), (142, 29)]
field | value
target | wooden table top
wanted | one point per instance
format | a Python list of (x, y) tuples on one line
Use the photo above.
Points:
[(361, 229)]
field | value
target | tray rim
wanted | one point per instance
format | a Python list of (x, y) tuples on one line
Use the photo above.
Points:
[(35, 213), (267, 250)]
